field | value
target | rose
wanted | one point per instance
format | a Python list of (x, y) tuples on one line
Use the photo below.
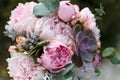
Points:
[(56, 56), (67, 11), (22, 19)]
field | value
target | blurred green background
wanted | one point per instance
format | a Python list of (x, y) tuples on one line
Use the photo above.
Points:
[(109, 25)]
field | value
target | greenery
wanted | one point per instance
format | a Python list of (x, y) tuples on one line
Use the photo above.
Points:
[(109, 25), (112, 54), (108, 52), (46, 7)]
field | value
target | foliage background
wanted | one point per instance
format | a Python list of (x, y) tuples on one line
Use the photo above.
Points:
[(109, 25)]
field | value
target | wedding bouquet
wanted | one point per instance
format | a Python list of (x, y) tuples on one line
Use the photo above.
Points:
[(54, 40)]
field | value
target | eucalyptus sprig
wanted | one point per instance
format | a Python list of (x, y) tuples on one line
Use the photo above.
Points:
[(112, 54), (99, 12), (66, 74), (46, 7)]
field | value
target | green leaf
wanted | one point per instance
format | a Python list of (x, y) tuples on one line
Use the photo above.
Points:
[(37, 52), (19, 49), (38, 48), (97, 71), (116, 58), (100, 11), (108, 52), (98, 18), (67, 68), (68, 76), (51, 5), (32, 52), (59, 76), (41, 10), (46, 7), (43, 43)]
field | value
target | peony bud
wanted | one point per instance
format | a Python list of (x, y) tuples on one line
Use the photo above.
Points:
[(66, 11)]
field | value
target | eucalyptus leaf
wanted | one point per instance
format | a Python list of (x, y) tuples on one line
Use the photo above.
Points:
[(97, 71), (41, 10), (59, 76), (98, 18), (108, 52), (116, 58), (68, 76), (67, 68), (100, 11), (51, 5)]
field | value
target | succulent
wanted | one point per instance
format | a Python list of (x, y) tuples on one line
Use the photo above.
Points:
[(85, 44)]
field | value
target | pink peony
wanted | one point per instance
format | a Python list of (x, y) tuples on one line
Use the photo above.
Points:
[(88, 20), (67, 11), (50, 27), (23, 68), (22, 19), (56, 56)]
